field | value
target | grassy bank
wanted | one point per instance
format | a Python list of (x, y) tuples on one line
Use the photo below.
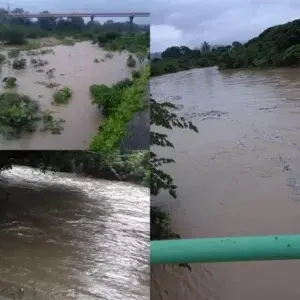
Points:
[(119, 103)]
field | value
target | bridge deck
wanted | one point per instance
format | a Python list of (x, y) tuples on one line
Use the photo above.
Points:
[(75, 14)]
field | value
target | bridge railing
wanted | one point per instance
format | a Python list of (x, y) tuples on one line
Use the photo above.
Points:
[(225, 249)]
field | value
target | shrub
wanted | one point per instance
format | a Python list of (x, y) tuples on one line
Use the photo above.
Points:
[(68, 42), (62, 96), (109, 55), (13, 36), (18, 113), (2, 58), (136, 74), (13, 53), (109, 98), (51, 124), (10, 82), (38, 62), (131, 62), (102, 40), (19, 63)]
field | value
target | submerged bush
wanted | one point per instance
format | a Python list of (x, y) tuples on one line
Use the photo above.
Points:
[(109, 55), (62, 96), (68, 42), (46, 51), (37, 62), (51, 124), (10, 82), (18, 114), (2, 58), (136, 74), (19, 63), (131, 62), (13, 53), (108, 98)]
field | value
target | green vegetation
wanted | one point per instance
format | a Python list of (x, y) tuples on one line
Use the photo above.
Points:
[(163, 116), (277, 46), (131, 62), (118, 103), (20, 114), (24, 32), (2, 58), (128, 166), (135, 43), (68, 42), (14, 53), (176, 59), (62, 96), (51, 124), (136, 74), (10, 82), (19, 63), (37, 62)]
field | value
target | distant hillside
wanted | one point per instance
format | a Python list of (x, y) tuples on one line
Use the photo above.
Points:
[(275, 47), (155, 55)]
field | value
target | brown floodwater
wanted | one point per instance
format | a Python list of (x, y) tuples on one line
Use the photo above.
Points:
[(69, 237), (75, 68), (239, 176)]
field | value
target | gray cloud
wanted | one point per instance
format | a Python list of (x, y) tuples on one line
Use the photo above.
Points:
[(84, 6), (190, 22)]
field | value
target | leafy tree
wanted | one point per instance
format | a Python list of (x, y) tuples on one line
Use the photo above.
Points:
[(205, 47), (13, 36), (163, 115), (47, 23)]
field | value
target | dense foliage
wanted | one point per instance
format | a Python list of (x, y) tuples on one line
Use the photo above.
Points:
[(277, 46), (20, 114), (130, 166), (176, 59), (118, 103), (17, 30)]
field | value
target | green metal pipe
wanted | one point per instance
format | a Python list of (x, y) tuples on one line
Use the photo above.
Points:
[(226, 249)]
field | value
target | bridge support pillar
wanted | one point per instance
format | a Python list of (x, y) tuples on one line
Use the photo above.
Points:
[(92, 18), (131, 22)]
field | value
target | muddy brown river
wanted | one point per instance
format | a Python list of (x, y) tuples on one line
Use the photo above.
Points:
[(75, 68), (69, 237), (239, 176)]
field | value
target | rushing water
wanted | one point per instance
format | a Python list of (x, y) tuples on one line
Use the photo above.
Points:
[(239, 176), (68, 237), (76, 69)]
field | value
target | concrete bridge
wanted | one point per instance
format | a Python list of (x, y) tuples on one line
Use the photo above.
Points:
[(78, 14), (130, 15)]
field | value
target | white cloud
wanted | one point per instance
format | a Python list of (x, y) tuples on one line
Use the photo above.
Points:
[(165, 35), (215, 21)]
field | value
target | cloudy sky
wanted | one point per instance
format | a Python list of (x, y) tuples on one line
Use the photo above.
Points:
[(83, 6), (190, 22)]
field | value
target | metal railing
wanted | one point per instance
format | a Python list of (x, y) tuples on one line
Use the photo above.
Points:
[(225, 249)]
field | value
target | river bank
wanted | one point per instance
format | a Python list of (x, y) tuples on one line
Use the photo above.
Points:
[(248, 125), (73, 67)]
